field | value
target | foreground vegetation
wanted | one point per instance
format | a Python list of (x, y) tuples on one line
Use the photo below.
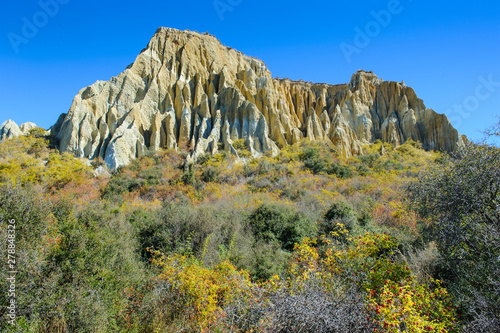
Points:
[(397, 240)]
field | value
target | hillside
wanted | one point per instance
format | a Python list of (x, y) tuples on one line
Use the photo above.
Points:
[(241, 244), (86, 240)]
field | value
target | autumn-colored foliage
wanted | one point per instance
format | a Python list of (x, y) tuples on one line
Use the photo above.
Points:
[(304, 241)]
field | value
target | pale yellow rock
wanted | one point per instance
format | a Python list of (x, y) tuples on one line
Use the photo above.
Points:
[(187, 90)]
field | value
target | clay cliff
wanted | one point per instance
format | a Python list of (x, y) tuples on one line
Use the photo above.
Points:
[(187, 90)]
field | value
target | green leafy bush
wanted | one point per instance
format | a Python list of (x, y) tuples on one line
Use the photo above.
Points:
[(461, 199), (369, 160), (121, 184), (241, 148), (189, 175), (37, 132), (339, 212), (341, 170), (271, 222), (86, 242), (210, 174), (313, 161)]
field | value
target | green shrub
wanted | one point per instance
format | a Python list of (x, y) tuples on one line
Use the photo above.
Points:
[(241, 147), (365, 219), (189, 175), (390, 165), (203, 159), (150, 232), (313, 161), (267, 259), (369, 160), (121, 184), (97, 162), (271, 222), (210, 174), (341, 170), (362, 170), (151, 176), (74, 263), (37, 132), (339, 212), (460, 198)]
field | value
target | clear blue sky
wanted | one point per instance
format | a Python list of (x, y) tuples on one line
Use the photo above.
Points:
[(446, 51)]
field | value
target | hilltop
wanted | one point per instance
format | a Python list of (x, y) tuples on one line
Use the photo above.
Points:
[(188, 90)]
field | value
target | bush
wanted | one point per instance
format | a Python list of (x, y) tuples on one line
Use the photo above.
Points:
[(189, 175), (362, 169), (312, 309), (210, 174), (353, 287), (266, 259), (62, 169), (121, 184), (97, 162), (341, 170), (86, 261), (73, 264), (391, 165), (201, 293), (339, 212), (365, 219), (37, 132), (241, 148), (313, 161), (151, 176), (369, 160), (461, 199), (271, 222), (240, 144), (203, 159)]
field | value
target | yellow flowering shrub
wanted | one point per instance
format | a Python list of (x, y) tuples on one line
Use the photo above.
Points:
[(396, 301), (411, 307), (203, 292)]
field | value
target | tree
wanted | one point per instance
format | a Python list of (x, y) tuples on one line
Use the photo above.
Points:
[(460, 200), (494, 130)]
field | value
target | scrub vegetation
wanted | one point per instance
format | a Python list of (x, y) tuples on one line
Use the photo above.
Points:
[(397, 240)]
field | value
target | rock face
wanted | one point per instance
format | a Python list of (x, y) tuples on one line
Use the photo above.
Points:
[(9, 129), (187, 90)]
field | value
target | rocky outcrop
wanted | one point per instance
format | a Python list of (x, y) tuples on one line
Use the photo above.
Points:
[(9, 129), (187, 90)]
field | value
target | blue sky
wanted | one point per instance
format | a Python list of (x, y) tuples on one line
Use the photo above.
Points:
[(448, 52)]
